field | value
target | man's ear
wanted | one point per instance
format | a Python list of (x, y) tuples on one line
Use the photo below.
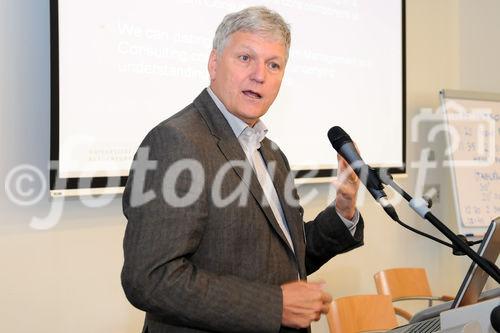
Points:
[(212, 64)]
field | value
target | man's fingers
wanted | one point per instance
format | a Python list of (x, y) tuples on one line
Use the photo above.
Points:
[(304, 302), (342, 162), (326, 298), (342, 165), (345, 172), (325, 308)]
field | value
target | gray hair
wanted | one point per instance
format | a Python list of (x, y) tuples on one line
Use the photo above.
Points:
[(256, 19)]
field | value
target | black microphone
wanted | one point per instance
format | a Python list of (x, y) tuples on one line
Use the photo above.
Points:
[(343, 144)]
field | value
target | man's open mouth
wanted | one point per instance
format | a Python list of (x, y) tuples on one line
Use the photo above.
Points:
[(252, 94)]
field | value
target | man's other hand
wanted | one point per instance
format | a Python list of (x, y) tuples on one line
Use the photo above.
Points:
[(303, 302), (347, 184)]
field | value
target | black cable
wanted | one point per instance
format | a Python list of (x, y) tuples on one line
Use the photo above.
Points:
[(470, 243), (421, 233)]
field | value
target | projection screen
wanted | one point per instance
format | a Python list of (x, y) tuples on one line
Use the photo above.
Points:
[(120, 67)]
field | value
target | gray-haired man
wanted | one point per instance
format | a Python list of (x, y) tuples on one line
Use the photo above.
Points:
[(211, 264)]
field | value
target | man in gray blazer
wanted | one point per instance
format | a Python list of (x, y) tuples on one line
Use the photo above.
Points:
[(215, 239)]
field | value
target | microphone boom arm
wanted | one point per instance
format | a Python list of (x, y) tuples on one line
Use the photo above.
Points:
[(419, 205)]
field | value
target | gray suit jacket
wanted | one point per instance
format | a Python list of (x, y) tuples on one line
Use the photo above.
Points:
[(204, 268)]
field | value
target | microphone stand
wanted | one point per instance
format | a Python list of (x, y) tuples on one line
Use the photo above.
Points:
[(419, 205)]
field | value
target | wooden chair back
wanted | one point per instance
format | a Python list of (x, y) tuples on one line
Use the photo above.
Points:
[(403, 283), (361, 313), (406, 284)]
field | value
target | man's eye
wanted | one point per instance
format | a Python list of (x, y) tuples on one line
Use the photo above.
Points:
[(244, 57), (274, 66)]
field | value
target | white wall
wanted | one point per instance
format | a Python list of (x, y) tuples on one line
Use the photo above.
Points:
[(479, 47), (66, 278)]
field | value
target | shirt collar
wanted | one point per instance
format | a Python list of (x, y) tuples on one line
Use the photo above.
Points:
[(259, 130)]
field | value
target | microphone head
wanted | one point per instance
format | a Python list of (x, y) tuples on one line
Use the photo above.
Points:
[(338, 137)]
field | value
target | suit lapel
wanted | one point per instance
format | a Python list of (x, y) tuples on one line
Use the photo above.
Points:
[(232, 151), (295, 224)]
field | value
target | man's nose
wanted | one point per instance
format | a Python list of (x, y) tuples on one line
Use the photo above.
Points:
[(259, 72)]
